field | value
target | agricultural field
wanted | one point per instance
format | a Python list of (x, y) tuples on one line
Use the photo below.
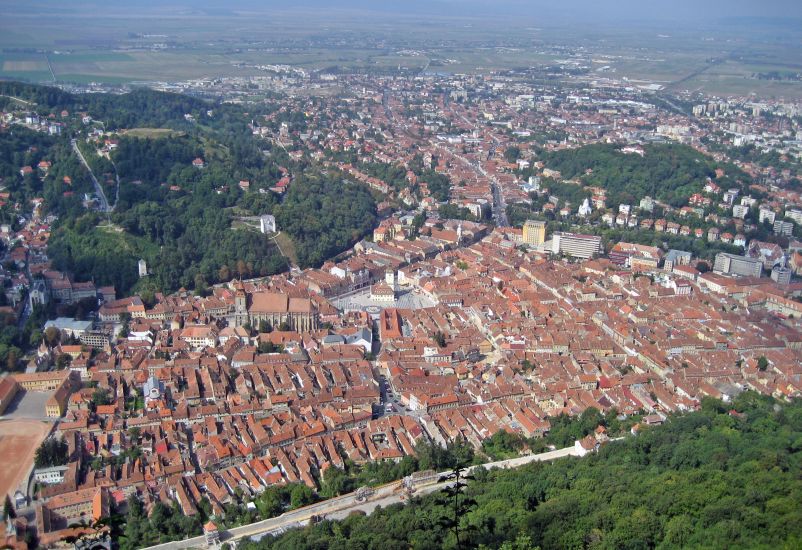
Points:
[(172, 44)]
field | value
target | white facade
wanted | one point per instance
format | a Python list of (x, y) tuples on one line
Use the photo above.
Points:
[(267, 224)]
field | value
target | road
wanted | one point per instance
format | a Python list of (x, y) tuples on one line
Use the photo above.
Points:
[(104, 203), (499, 206), (340, 507), (30, 103)]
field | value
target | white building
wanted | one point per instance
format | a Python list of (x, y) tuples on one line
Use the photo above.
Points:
[(585, 210), (268, 224), (143, 268), (766, 215), (578, 246)]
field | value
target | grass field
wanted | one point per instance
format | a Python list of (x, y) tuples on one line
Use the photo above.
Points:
[(287, 247), (152, 133), (118, 239)]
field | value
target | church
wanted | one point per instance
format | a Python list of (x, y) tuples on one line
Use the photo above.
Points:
[(275, 308)]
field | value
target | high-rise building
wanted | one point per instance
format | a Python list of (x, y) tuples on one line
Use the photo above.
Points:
[(732, 264), (534, 232), (578, 246), (782, 275)]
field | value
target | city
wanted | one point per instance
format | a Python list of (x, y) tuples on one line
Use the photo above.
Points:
[(240, 305)]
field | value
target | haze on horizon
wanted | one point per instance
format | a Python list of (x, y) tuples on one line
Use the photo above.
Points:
[(605, 12)]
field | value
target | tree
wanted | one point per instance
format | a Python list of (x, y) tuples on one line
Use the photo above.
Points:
[(12, 359), (762, 363), (301, 495), (512, 154), (101, 397), (63, 361), (52, 452), (702, 479), (125, 320), (36, 338), (439, 338), (8, 509), (335, 482), (462, 505), (52, 336)]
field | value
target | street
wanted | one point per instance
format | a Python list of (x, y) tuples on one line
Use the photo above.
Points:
[(342, 506)]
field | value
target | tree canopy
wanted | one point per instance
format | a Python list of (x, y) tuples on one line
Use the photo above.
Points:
[(726, 476)]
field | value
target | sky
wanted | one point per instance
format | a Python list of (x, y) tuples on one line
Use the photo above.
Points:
[(541, 12)]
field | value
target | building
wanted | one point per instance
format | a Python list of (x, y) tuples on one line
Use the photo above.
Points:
[(211, 534), (576, 245), (96, 339), (86, 505), (782, 275), (143, 268), (9, 388), (51, 475), (534, 233), (766, 215), (56, 405), (676, 257), (740, 211), (274, 308), (635, 256), (731, 264), (69, 327), (794, 214), (267, 224), (200, 336), (153, 390), (382, 292), (41, 381), (783, 228), (770, 254)]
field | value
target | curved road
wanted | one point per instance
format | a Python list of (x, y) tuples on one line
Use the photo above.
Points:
[(340, 507)]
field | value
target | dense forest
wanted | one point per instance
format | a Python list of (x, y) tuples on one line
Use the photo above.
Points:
[(395, 175), (171, 212), (183, 220), (666, 172), (140, 108), (168, 213), (325, 215), (20, 147), (727, 476)]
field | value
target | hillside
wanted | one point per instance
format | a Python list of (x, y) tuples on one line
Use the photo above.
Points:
[(178, 216), (727, 476), (666, 172)]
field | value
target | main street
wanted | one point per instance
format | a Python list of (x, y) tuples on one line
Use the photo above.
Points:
[(499, 206), (342, 506)]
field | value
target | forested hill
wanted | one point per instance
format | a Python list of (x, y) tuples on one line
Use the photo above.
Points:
[(139, 108), (186, 220), (727, 476), (666, 172)]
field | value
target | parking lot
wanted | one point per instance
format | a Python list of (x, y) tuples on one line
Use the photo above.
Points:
[(28, 405)]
